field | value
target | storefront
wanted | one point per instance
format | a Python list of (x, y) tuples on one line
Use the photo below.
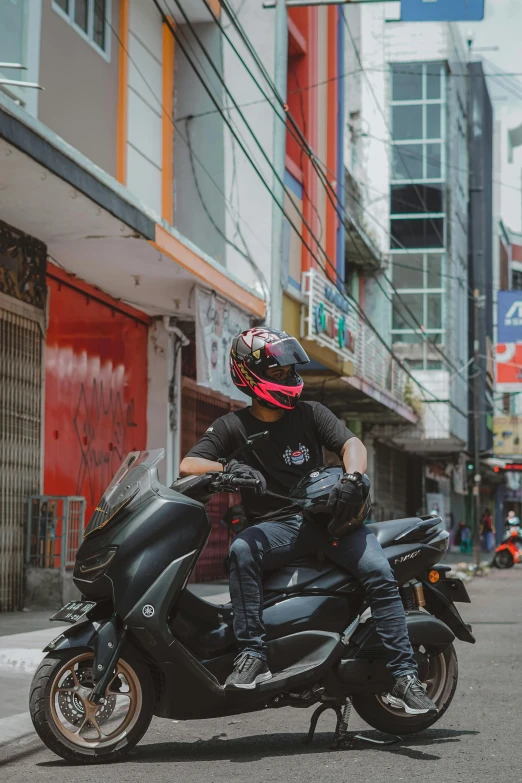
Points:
[(207, 392), (95, 387), (22, 330)]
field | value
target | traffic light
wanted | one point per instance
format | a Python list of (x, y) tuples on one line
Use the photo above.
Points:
[(470, 466)]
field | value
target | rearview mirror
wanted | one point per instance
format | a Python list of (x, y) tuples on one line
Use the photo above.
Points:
[(252, 440), (258, 436)]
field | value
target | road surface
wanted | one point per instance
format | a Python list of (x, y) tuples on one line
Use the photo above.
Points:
[(476, 740)]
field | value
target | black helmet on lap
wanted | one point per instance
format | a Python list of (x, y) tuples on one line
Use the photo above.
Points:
[(312, 492)]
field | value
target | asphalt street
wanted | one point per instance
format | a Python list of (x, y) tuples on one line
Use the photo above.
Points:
[(476, 740)]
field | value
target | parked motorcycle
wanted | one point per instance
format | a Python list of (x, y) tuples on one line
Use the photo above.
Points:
[(142, 644), (509, 551)]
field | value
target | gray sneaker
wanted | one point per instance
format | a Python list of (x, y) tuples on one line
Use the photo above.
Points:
[(248, 671), (409, 694)]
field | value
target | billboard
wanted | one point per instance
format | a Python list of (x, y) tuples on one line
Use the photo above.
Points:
[(507, 436), (509, 316), (508, 364), (442, 10)]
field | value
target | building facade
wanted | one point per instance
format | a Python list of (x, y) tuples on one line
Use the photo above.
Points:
[(104, 254), (406, 146)]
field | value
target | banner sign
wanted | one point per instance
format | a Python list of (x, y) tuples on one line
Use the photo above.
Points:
[(217, 323), (327, 317), (442, 10), (507, 440), (509, 316), (508, 364)]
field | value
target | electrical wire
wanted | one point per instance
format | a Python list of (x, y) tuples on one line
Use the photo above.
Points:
[(327, 185), (246, 256), (329, 190), (353, 302), (176, 124)]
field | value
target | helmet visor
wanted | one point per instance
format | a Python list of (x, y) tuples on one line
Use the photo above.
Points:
[(284, 352)]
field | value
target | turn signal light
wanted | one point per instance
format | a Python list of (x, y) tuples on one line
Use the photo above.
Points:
[(434, 577)]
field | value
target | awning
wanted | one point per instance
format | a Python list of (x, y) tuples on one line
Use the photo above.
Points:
[(96, 229), (351, 397)]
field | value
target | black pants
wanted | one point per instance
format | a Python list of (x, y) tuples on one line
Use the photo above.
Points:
[(270, 545)]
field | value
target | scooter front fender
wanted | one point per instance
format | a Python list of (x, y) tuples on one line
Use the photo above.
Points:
[(79, 635)]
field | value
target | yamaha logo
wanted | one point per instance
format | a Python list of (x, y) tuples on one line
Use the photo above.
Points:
[(148, 610)]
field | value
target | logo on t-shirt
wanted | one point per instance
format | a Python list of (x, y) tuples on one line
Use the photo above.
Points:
[(296, 456)]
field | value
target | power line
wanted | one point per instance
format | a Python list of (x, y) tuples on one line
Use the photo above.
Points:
[(242, 253), (177, 125), (231, 126), (304, 144), (267, 77)]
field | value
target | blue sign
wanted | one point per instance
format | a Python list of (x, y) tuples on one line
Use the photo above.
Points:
[(510, 316), (442, 10)]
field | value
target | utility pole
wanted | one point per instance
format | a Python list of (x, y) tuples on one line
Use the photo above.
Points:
[(279, 152), (476, 427)]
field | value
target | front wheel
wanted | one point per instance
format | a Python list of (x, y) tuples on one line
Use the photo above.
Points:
[(504, 559), (75, 728), (439, 671)]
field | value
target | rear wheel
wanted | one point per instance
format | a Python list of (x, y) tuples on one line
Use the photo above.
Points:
[(504, 559), (439, 671), (79, 730)]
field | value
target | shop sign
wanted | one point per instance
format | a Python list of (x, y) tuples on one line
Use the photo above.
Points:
[(442, 10), (217, 323), (509, 316), (508, 367), (507, 438), (327, 317)]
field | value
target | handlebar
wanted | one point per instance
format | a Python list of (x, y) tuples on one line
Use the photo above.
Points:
[(224, 481)]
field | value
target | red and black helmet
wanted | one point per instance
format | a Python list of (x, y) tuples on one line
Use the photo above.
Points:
[(257, 350)]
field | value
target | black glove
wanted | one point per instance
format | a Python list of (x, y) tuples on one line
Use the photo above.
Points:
[(345, 498), (236, 468)]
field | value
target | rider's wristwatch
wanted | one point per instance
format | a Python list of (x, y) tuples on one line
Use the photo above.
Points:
[(355, 476)]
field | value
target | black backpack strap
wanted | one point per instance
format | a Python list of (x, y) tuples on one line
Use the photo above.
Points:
[(238, 435)]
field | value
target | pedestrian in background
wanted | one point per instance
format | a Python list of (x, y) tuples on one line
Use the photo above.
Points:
[(463, 537), (487, 531)]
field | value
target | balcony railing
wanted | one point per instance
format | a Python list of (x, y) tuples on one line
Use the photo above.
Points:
[(375, 364)]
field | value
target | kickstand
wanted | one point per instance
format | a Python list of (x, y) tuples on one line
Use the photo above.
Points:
[(315, 717), (341, 738)]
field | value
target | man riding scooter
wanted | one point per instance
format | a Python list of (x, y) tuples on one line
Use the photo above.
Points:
[(263, 366)]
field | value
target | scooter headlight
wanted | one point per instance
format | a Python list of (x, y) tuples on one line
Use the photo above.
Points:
[(91, 569)]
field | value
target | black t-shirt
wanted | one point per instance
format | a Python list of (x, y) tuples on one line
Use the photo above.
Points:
[(293, 448)]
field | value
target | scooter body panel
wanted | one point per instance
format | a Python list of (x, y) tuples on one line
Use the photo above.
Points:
[(207, 629), (193, 689), (159, 531)]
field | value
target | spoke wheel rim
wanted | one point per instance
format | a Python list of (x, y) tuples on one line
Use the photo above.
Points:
[(435, 682), (89, 716)]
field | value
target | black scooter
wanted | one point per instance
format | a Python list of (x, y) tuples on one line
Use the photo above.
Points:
[(142, 644)]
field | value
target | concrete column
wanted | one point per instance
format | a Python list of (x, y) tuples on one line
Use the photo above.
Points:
[(159, 434)]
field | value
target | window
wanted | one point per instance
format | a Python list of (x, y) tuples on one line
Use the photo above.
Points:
[(417, 209), (516, 284), (418, 277), (413, 232), (90, 18), (417, 115)]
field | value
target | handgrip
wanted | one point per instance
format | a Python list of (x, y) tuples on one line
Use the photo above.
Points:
[(252, 483)]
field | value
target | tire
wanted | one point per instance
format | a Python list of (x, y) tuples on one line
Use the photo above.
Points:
[(384, 718), (504, 559), (48, 705)]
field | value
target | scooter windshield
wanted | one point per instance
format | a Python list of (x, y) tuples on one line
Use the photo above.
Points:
[(131, 482)]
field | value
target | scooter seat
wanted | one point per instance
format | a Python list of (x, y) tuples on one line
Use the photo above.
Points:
[(389, 533), (308, 573)]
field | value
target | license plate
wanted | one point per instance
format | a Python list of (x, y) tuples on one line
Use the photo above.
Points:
[(73, 611)]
